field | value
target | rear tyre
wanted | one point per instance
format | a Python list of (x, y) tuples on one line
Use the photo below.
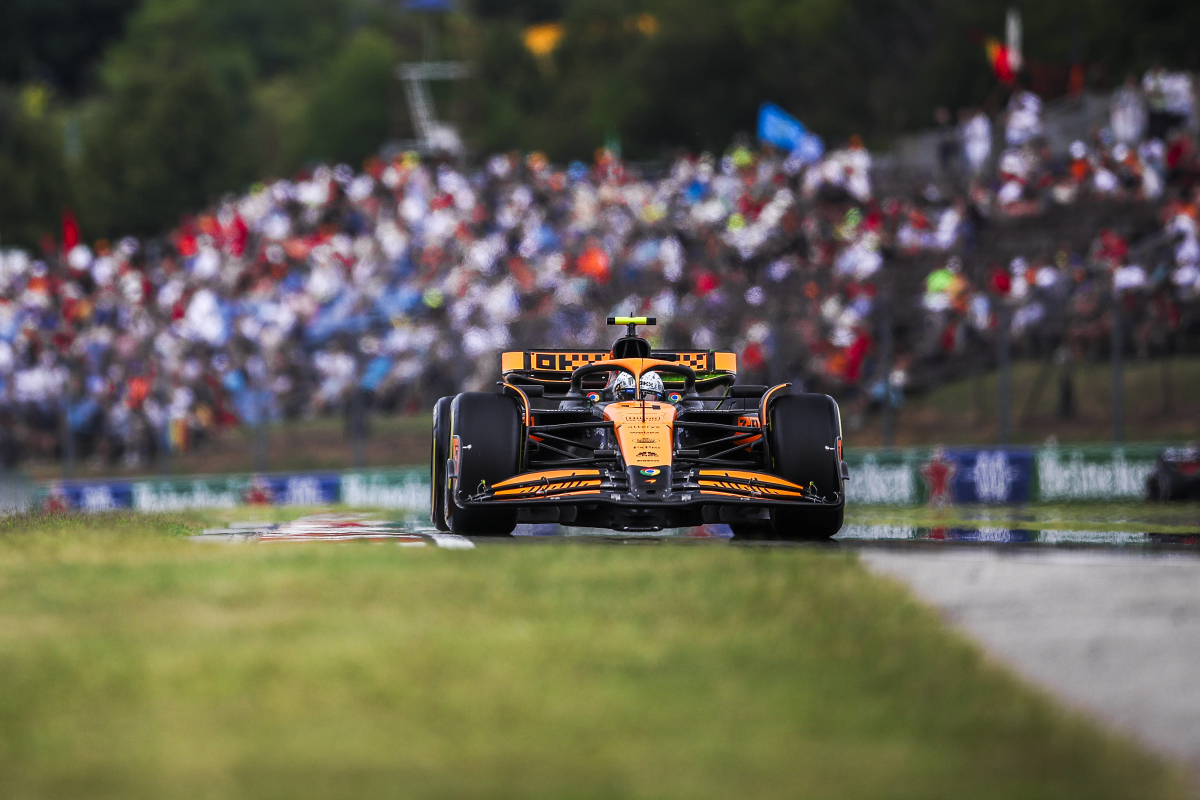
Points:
[(1162, 487), (1153, 489), (803, 434), (439, 452), (488, 427)]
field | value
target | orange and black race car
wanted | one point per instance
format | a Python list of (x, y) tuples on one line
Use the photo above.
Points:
[(635, 439)]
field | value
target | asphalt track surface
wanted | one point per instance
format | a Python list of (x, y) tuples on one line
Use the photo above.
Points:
[(1108, 622), (1113, 633)]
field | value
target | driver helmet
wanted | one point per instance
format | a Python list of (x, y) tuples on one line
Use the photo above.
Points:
[(623, 386), (652, 386)]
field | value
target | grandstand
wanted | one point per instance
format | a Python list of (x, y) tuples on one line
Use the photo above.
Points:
[(339, 290)]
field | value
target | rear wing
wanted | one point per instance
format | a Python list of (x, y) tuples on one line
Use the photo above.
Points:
[(552, 367)]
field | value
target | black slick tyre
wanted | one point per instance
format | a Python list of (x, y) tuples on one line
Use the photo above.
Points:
[(1163, 486), (488, 428), (803, 435), (1153, 488), (752, 531), (439, 452)]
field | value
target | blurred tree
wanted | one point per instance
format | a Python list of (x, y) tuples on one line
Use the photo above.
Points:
[(511, 100), (875, 67), (525, 11), (32, 174), (185, 94), (195, 97), (164, 142), (269, 37), (347, 117), (57, 41)]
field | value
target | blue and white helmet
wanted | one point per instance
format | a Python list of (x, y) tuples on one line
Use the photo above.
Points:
[(623, 386), (652, 386)]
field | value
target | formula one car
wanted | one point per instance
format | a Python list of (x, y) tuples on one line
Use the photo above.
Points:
[(1176, 475), (635, 439)]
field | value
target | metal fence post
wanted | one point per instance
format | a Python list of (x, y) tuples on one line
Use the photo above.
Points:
[(887, 346), (164, 451), (260, 430), (1118, 371), (357, 428), (68, 440), (1004, 377)]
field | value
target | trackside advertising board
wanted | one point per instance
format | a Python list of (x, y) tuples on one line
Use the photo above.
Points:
[(999, 475), (950, 475)]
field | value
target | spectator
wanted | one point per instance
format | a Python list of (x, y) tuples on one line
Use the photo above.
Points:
[(399, 283), (1127, 113)]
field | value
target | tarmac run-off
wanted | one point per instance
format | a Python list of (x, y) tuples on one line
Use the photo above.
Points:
[(1114, 634)]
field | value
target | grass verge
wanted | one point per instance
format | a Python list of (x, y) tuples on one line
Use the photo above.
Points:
[(1162, 404), (139, 664), (1117, 517)]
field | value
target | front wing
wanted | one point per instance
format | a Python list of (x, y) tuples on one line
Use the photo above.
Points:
[(658, 496)]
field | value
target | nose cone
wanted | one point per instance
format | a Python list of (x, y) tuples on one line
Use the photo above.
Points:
[(645, 432), (650, 483)]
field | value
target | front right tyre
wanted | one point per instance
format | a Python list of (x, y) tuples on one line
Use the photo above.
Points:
[(802, 433), (439, 453)]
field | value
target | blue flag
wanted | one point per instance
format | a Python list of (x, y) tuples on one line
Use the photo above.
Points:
[(777, 127)]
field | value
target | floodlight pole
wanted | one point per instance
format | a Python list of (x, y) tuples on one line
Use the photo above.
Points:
[(416, 90)]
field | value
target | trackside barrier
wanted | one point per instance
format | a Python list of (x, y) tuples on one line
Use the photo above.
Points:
[(400, 489), (897, 477), (1053, 473)]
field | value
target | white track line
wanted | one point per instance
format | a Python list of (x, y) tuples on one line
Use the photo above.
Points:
[(333, 528)]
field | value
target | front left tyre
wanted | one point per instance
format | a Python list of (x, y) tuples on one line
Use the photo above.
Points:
[(803, 432), (488, 430)]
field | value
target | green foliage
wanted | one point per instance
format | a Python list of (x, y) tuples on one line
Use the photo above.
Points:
[(57, 41), (198, 97), (33, 178), (347, 116), (165, 142), (874, 67), (193, 98), (270, 36)]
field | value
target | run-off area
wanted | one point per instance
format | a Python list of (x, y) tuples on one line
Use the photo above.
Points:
[(141, 662)]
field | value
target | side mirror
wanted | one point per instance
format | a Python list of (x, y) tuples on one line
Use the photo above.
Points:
[(747, 390)]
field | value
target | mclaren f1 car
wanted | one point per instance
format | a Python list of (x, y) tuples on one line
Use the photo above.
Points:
[(636, 439)]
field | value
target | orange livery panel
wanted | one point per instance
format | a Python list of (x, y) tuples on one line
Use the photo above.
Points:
[(644, 432)]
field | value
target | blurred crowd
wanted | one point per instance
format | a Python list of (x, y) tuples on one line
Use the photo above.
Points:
[(385, 288), (1065, 302)]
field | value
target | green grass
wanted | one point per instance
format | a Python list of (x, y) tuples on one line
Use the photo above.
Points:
[(1128, 517), (1162, 403), (136, 663)]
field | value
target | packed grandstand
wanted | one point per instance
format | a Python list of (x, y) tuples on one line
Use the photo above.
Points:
[(402, 281)]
